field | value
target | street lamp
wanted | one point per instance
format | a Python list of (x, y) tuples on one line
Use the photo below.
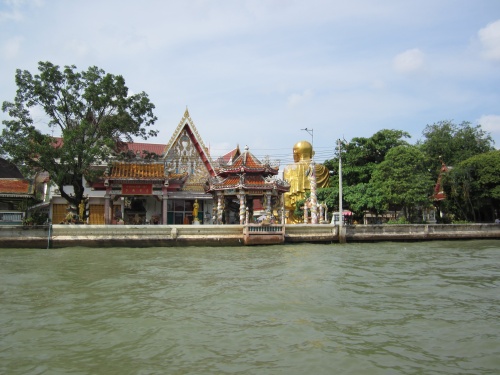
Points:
[(341, 218), (311, 133), (342, 238)]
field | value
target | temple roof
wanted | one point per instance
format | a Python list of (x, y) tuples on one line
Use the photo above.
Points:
[(246, 162), (9, 170), (142, 171), (230, 156), (16, 187), (186, 128), (244, 171), (439, 194), (247, 182), (140, 149), (137, 171)]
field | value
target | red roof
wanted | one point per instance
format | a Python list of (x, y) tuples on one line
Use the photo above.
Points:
[(16, 186), (230, 156), (439, 194), (137, 148), (246, 162), (246, 172)]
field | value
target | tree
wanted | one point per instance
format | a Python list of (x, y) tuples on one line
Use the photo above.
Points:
[(360, 157), (453, 143), (402, 180), (473, 188), (92, 110)]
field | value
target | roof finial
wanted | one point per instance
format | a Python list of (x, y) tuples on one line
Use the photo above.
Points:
[(186, 113)]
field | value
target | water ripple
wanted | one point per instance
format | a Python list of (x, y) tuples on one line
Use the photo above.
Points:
[(385, 308)]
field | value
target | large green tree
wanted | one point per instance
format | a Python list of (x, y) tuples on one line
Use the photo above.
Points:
[(473, 188), (360, 157), (452, 143), (93, 112), (402, 181)]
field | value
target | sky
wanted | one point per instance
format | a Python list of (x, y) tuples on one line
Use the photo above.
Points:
[(258, 72)]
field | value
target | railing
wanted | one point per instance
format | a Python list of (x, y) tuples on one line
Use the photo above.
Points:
[(11, 217), (259, 234), (276, 228)]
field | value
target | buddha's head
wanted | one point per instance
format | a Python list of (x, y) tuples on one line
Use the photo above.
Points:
[(302, 151)]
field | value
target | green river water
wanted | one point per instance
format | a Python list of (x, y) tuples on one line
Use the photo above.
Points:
[(378, 308)]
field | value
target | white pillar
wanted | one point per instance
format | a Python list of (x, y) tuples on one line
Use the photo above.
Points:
[(219, 208), (242, 207), (314, 199)]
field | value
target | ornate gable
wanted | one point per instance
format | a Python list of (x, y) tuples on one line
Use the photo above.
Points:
[(186, 153), (247, 172)]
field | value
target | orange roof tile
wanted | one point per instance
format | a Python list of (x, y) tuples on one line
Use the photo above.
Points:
[(15, 186), (139, 148), (137, 171)]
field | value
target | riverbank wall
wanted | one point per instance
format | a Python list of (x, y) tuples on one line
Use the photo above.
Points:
[(58, 236)]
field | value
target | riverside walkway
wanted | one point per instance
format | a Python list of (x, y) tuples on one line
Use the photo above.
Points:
[(56, 236)]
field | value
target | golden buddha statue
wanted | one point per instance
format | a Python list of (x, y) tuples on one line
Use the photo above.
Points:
[(195, 211), (297, 174)]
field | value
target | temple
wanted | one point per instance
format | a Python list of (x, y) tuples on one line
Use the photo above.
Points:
[(177, 183), (16, 193), (240, 181)]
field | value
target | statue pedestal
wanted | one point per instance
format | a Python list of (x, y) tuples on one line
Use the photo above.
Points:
[(196, 222)]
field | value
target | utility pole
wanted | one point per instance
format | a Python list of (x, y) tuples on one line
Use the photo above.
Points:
[(342, 238), (341, 219)]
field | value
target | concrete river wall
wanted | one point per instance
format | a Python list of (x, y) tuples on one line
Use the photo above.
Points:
[(57, 236)]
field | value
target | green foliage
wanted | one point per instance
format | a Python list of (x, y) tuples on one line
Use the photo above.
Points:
[(453, 143), (473, 188), (402, 180), (360, 157), (93, 112), (36, 218), (401, 220)]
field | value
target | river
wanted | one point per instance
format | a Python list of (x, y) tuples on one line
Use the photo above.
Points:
[(378, 308)]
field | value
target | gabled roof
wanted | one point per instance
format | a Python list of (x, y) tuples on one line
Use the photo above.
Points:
[(230, 156), (186, 127), (439, 193), (247, 182), (9, 170), (248, 173), (140, 149), (246, 162)]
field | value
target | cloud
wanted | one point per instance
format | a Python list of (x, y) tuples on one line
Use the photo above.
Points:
[(295, 100), (490, 123), (12, 15), (11, 47), (489, 37), (14, 12), (409, 61)]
